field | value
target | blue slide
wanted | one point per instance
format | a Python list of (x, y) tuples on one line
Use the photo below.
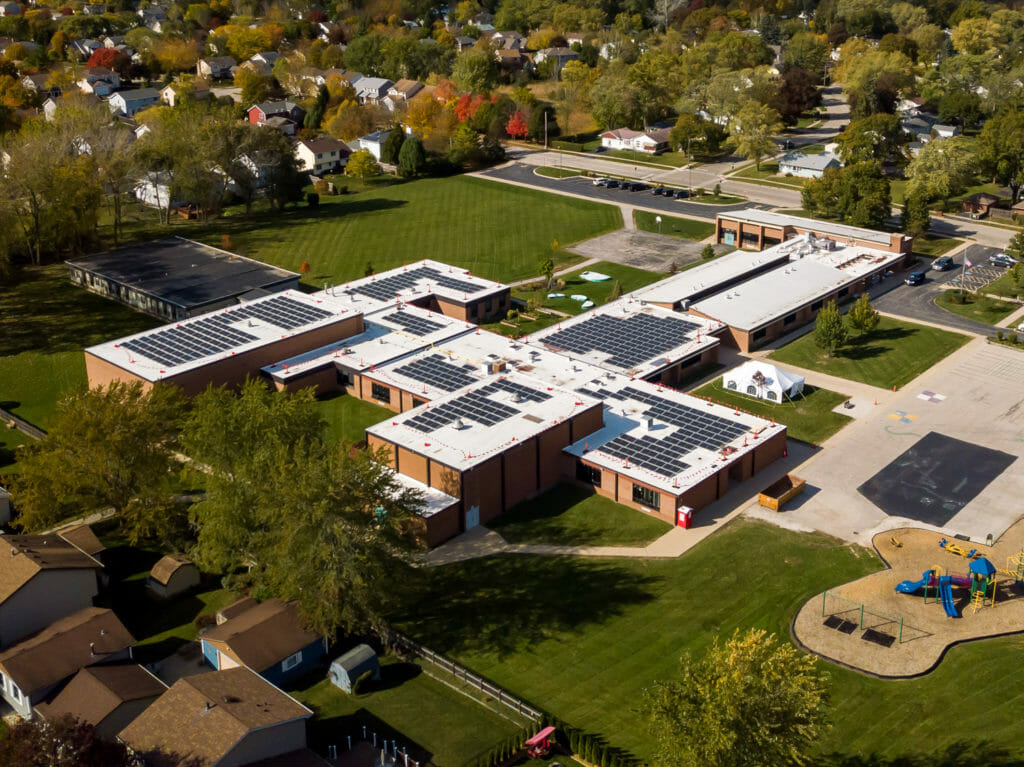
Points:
[(946, 592), (909, 587)]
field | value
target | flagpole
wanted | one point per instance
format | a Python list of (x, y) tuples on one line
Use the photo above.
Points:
[(963, 276)]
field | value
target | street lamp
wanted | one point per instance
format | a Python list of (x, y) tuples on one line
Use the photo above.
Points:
[(657, 220)]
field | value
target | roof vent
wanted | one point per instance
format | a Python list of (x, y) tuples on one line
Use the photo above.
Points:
[(517, 397), (460, 424)]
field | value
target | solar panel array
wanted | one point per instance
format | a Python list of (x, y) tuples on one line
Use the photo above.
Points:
[(386, 288), (437, 370), (475, 406), (418, 326), (210, 335), (629, 342), (658, 455)]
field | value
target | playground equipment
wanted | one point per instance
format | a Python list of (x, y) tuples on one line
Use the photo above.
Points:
[(896, 542), (981, 581), (1015, 567), (539, 746), (953, 548)]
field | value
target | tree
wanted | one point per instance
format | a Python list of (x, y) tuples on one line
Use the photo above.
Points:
[(807, 51), (106, 448), (863, 317), (942, 168), (392, 146), (753, 131), (1016, 246), (476, 70), (916, 214), (749, 702), (412, 159), (315, 115), (707, 252), (693, 134), (858, 194), (516, 126), (60, 742), (350, 120), (546, 266), (795, 95), (362, 165), (829, 329), (877, 137), (255, 87), (1001, 150)]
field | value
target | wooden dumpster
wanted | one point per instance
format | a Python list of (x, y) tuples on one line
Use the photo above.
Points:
[(781, 491)]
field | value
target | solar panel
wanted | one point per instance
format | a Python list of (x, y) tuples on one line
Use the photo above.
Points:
[(629, 341), (661, 456), (387, 288), (437, 370), (477, 405), (696, 428), (419, 326)]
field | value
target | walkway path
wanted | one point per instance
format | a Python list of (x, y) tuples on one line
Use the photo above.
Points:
[(560, 273)]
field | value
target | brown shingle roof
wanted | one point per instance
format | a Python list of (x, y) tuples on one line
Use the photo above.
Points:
[(83, 538), (317, 145), (22, 557), (168, 566), (95, 692), (263, 635), (235, 609), (205, 715), (65, 646)]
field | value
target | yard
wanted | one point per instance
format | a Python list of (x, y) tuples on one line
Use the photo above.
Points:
[(931, 246), (769, 172), (684, 228), (893, 355), (1005, 286), (991, 311), (436, 723), (347, 417), (569, 515), (583, 637), (672, 159), (808, 418), (10, 440), (629, 278)]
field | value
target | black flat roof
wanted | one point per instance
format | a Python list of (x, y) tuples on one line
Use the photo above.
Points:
[(182, 272)]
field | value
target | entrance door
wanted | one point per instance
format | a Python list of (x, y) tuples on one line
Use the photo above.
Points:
[(472, 517)]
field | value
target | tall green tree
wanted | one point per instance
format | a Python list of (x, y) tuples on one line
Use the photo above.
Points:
[(753, 130), (749, 702), (829, 329), (107, 448), (476, 70), (863, 317), (412, 159), (392, 146), (1001, 150), (942, 168), (315, 115), (858, 194), (916, 214), (877, 137)]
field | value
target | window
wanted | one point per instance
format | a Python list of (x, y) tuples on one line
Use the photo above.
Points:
[(417, 402), (345, 378), (758, 334), (380, 393), (645, 496), (752, 390), (771, 395), (816, 305), (789, 319), (731, 385), (291, 661), (843, 292), (588, 474)]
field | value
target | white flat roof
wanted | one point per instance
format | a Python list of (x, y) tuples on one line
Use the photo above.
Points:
[(667, 439), (478, 422), (628, 337), (767, 218), (788, 287), (434, 500), (192, 343), (681, 286)]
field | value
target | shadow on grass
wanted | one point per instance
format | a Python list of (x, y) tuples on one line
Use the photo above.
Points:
[(392, 675), (504, 604), (157, 651), (960, 754), (333, 731)]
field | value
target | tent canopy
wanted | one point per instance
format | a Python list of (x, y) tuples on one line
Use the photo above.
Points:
[(764, 381)]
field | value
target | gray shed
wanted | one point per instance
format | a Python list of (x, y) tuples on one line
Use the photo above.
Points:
[(352, 665)]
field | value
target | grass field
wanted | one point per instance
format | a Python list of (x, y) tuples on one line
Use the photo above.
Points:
[(991, 311), (347, 417), (10, 440), (769, 172), (722, 199), (573, 516), (583, 637), (930, 246), (436, 723), (629, 278), (45, 321), (674, 159), (894, 354), (809, 417), (556, 172), (684, 228), (1005, 286)]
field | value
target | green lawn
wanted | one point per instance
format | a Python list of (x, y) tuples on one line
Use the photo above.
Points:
[(10, 440), (684, 228), (45, 321), (347, 417), (1005, 286), (769, 172), (438, 724), (809, 417), (573, 516), (629, 278), (722, 199), (556, 172), (675, 159), (930, 246), (896, 353), (991, 311)]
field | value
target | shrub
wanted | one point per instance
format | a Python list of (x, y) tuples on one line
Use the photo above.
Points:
[(718, 190), (312, 199), (707, 252), (999, 335), (1012, 338)]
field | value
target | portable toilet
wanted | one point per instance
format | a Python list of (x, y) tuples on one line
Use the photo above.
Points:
[(349, 667)]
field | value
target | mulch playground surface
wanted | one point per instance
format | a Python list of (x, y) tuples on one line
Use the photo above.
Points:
[(858, 624)]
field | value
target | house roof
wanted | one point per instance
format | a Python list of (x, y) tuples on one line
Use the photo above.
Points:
[(235, 608), (167, 566), (373, 84), (377, 137), (221, 61), (274, 107), (65, 646), (809, 161), (203, 716), (356, 657), (83, 538), (96, 692), (29, 555), (658, 135), (263, 635), (318, 145), (407, 87), (138, 94), (981, 198)]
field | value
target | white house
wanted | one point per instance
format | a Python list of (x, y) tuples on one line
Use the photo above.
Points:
[(373, 142), (764, 381), (99, 81), (171, 94), (215, 68), (650, 142), (129, 103), (154, 189), (807, 165), (263, 62), (370, 90), (321, 155)]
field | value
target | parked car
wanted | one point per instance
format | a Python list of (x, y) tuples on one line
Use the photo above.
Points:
[(613, 184), (601, 181), (681, 194), (660, 190), (1001, 259), (915, 278), (942, 264), (637, 186)]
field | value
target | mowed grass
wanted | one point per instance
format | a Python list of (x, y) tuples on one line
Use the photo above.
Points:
[(684, 228), (10, 441), (808, 417), (893, 355), (347, 417), (436, 723), (583, 637), (769, 172), (930, 246), (991, 311), (629, 278), (45, 322), (1005, 286), (574, 516)]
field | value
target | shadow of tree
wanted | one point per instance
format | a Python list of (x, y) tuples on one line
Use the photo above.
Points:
[(503, 604), (959, 754), (334, 731)]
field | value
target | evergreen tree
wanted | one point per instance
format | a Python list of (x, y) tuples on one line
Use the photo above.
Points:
[(829, 330), (392, 146)]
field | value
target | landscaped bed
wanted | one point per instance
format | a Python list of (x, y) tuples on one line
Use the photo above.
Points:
[(991, 311), (629, 278)]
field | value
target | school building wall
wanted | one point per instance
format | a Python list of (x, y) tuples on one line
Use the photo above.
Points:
[(753, 236)]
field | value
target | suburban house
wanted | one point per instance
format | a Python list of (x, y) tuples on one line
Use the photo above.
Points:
[(34, 667), (38, 84), (464, 43), (173, 93), (263, 63), (979, 205), (404, 90), (173, 574), (99, 81), (651, 141), (84, 539), (511, 59), (216, 68), (509, 41), (108, 697), (86, 47), (260, 114), (10, 9), (224, 718), (268, 638), (807, 165), (321, 155), (373, 142), (561, 56), (113, 41), (130, 103), (370, 90), (42, 578)]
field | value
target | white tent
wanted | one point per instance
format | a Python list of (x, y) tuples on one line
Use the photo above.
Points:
[(764, 381)]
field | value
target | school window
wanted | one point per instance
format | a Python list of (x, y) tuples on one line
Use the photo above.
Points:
[(758, 334), (291, 661), (588, 474), (380, 393), (789, 319), (843, 292), (345, 378), (645, 496), (816, 305)]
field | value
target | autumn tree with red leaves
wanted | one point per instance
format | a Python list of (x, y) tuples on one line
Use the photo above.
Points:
[(517, 127)]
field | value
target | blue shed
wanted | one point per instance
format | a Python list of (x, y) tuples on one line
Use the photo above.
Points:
[(352, 665)]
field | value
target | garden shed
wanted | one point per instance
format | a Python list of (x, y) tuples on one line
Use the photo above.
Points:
[(764, 381), (347, 669), (172, 575)]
